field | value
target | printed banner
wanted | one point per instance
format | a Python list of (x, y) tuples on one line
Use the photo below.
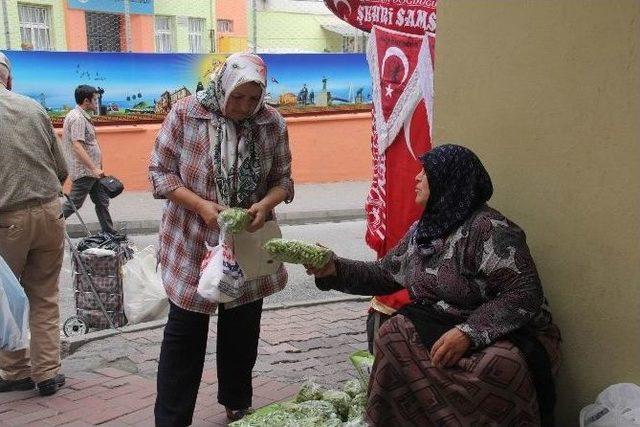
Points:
[(406, 16)]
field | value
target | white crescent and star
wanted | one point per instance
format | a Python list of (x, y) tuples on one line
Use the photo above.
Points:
[(395, 51), (407, 134)]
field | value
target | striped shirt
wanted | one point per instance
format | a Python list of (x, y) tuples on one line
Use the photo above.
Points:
[(181, 158)]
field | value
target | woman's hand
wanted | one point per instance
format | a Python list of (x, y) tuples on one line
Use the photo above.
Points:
[(209, 212), (449, 348), (259, 214), (328, 270)]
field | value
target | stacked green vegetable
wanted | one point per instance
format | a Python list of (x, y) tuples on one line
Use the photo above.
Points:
[(234, 220), (363, 362), (314, 407), (297, 252)]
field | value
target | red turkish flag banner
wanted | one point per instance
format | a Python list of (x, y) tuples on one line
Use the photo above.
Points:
[(397, 60), (402, 74), (407, 16), (402, 114), (399, 64)]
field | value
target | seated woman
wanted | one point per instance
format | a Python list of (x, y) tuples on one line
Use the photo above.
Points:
[(477, 345)]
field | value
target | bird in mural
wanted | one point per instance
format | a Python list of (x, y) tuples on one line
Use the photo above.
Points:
[(273, 79)]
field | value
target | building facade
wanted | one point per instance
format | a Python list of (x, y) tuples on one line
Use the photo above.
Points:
[(161, 26), (36, 24), (164, 26), (301, 26), (232, 25)]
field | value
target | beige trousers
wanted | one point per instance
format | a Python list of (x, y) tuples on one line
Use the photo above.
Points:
[(32, 244)]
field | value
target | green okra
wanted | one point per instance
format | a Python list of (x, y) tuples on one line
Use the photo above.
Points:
[(234, 220), (297, 252)]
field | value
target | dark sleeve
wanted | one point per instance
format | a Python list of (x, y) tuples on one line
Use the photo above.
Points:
[(503, 263), (382, 277)]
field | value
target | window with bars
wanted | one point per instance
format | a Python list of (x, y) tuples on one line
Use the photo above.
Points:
[(196, 31), (164, 34), (225, 26), (104, 32), (35, 26)]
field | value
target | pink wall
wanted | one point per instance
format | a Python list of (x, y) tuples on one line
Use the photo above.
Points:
[(236, 11), (142, 33), (76, 29), (324, 149)]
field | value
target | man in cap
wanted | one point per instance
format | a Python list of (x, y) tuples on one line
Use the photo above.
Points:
[(31, 233)]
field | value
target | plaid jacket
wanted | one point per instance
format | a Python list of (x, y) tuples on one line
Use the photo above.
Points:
[(181, 158)]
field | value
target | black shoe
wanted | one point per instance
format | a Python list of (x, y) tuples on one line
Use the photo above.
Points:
[(51, 386), (16, 385), (238, 414)]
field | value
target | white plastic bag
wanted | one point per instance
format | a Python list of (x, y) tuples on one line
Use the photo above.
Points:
[(617, 406), (14, 311), (144, 296), (221, 277)]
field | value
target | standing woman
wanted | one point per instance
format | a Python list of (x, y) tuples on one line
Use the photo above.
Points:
[(222, 148)]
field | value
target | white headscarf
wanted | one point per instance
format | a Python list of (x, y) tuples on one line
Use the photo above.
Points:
[(235, 159)]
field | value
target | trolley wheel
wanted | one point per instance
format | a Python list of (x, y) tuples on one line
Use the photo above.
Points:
[(75, 326)]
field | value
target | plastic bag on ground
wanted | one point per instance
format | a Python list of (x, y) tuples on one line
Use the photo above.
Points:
[(14, 311), (144, 296), (617, 405)]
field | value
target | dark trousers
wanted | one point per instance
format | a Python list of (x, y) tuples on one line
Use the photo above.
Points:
[(182, 360), (84, 186)]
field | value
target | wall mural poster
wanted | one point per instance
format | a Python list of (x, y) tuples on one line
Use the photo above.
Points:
[(139, 86)]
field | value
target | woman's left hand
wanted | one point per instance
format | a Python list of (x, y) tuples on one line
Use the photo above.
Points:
[(259, 214), (449, 348)]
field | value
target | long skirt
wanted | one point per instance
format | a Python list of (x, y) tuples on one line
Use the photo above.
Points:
[(491, 387)]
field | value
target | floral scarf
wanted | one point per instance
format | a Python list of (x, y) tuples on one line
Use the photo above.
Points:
[(235, 156), (458, 185)]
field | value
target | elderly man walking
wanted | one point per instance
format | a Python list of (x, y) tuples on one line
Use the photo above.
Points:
[(31, 233)]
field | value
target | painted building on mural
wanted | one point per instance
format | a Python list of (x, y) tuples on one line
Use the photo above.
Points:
[(302, 26), (99, 25)]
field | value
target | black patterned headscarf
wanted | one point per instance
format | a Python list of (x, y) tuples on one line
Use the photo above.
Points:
[(458, 185)]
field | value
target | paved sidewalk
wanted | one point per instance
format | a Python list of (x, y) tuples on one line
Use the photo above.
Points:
[(140, 213), (112, 381)]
